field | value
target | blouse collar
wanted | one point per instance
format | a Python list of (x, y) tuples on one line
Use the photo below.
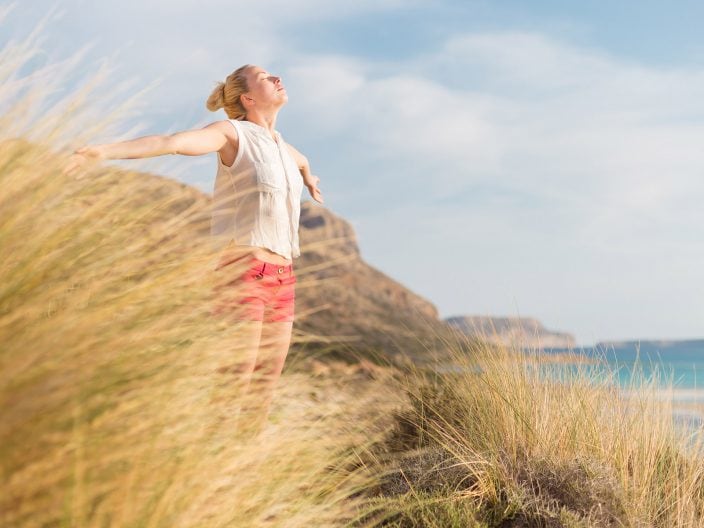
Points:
[(262, 130)]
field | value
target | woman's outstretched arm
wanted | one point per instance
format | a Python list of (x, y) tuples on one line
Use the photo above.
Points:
[(310, 181), (210, 138)]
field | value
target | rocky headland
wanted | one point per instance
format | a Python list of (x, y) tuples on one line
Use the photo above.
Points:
[(525, 332)]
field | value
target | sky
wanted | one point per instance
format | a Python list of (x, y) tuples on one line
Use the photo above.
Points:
[(500, 158)]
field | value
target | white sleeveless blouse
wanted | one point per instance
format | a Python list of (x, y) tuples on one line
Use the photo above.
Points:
[(257, 201)]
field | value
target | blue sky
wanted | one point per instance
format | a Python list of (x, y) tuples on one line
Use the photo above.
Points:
[(499, 158)]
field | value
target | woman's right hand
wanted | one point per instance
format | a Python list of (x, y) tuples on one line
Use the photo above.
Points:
[(210, 138), (82, 158)]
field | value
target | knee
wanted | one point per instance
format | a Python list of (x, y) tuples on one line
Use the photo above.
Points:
[(268, 370), (237, 368)]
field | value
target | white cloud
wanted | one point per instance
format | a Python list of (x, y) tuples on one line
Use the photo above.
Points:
[(606, 153)]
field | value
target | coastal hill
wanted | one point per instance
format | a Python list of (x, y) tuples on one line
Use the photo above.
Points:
[(342, 299), (523, 331)]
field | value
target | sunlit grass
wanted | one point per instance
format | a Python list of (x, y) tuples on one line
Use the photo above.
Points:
[(512, 437), (114, 409)]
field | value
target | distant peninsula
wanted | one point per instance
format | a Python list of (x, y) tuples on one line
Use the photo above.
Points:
[(525, 332), (653, 344)]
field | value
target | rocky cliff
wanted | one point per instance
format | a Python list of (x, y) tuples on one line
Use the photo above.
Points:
[(522, 331), (342, 299)]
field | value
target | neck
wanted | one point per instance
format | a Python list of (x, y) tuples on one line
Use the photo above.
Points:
[(264, 119)]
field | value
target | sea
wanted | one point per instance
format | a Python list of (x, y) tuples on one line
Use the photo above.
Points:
[(676, 365), (674, 370)]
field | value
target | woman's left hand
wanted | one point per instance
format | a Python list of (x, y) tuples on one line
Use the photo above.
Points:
[(312, 185), (82, 158)]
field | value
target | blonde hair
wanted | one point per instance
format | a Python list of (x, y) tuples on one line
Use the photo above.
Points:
[(227, 94)]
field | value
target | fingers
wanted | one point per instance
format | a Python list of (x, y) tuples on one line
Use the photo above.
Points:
[(315, 193), (75, 162), (69, 168), (89, 152), (312, 184)]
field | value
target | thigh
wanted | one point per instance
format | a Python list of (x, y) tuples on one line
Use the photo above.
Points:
[(274, 344), (277, 328), (240, 347)]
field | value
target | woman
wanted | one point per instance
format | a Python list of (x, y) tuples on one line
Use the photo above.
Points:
[(256, 209)]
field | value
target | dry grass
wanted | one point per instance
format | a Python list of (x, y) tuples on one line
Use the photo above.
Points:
[(513, 439), (115, 411)]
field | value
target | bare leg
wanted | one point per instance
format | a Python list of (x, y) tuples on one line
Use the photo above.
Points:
[(273, 349), (243, 348)]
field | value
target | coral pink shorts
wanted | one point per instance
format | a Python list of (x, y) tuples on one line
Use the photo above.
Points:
[(257, 291)]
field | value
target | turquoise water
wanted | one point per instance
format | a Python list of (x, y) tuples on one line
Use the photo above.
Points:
[(679, 363), (677, 367)]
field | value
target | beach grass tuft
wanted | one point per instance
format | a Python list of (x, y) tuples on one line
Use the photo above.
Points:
[(510, 438)]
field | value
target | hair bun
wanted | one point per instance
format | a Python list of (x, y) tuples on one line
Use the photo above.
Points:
[(227, 94), (217, 98)]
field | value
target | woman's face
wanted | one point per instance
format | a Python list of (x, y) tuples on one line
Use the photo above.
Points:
[(265, 89)]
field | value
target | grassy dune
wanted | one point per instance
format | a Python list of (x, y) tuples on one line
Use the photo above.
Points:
[(515, 440), (116, 410)]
